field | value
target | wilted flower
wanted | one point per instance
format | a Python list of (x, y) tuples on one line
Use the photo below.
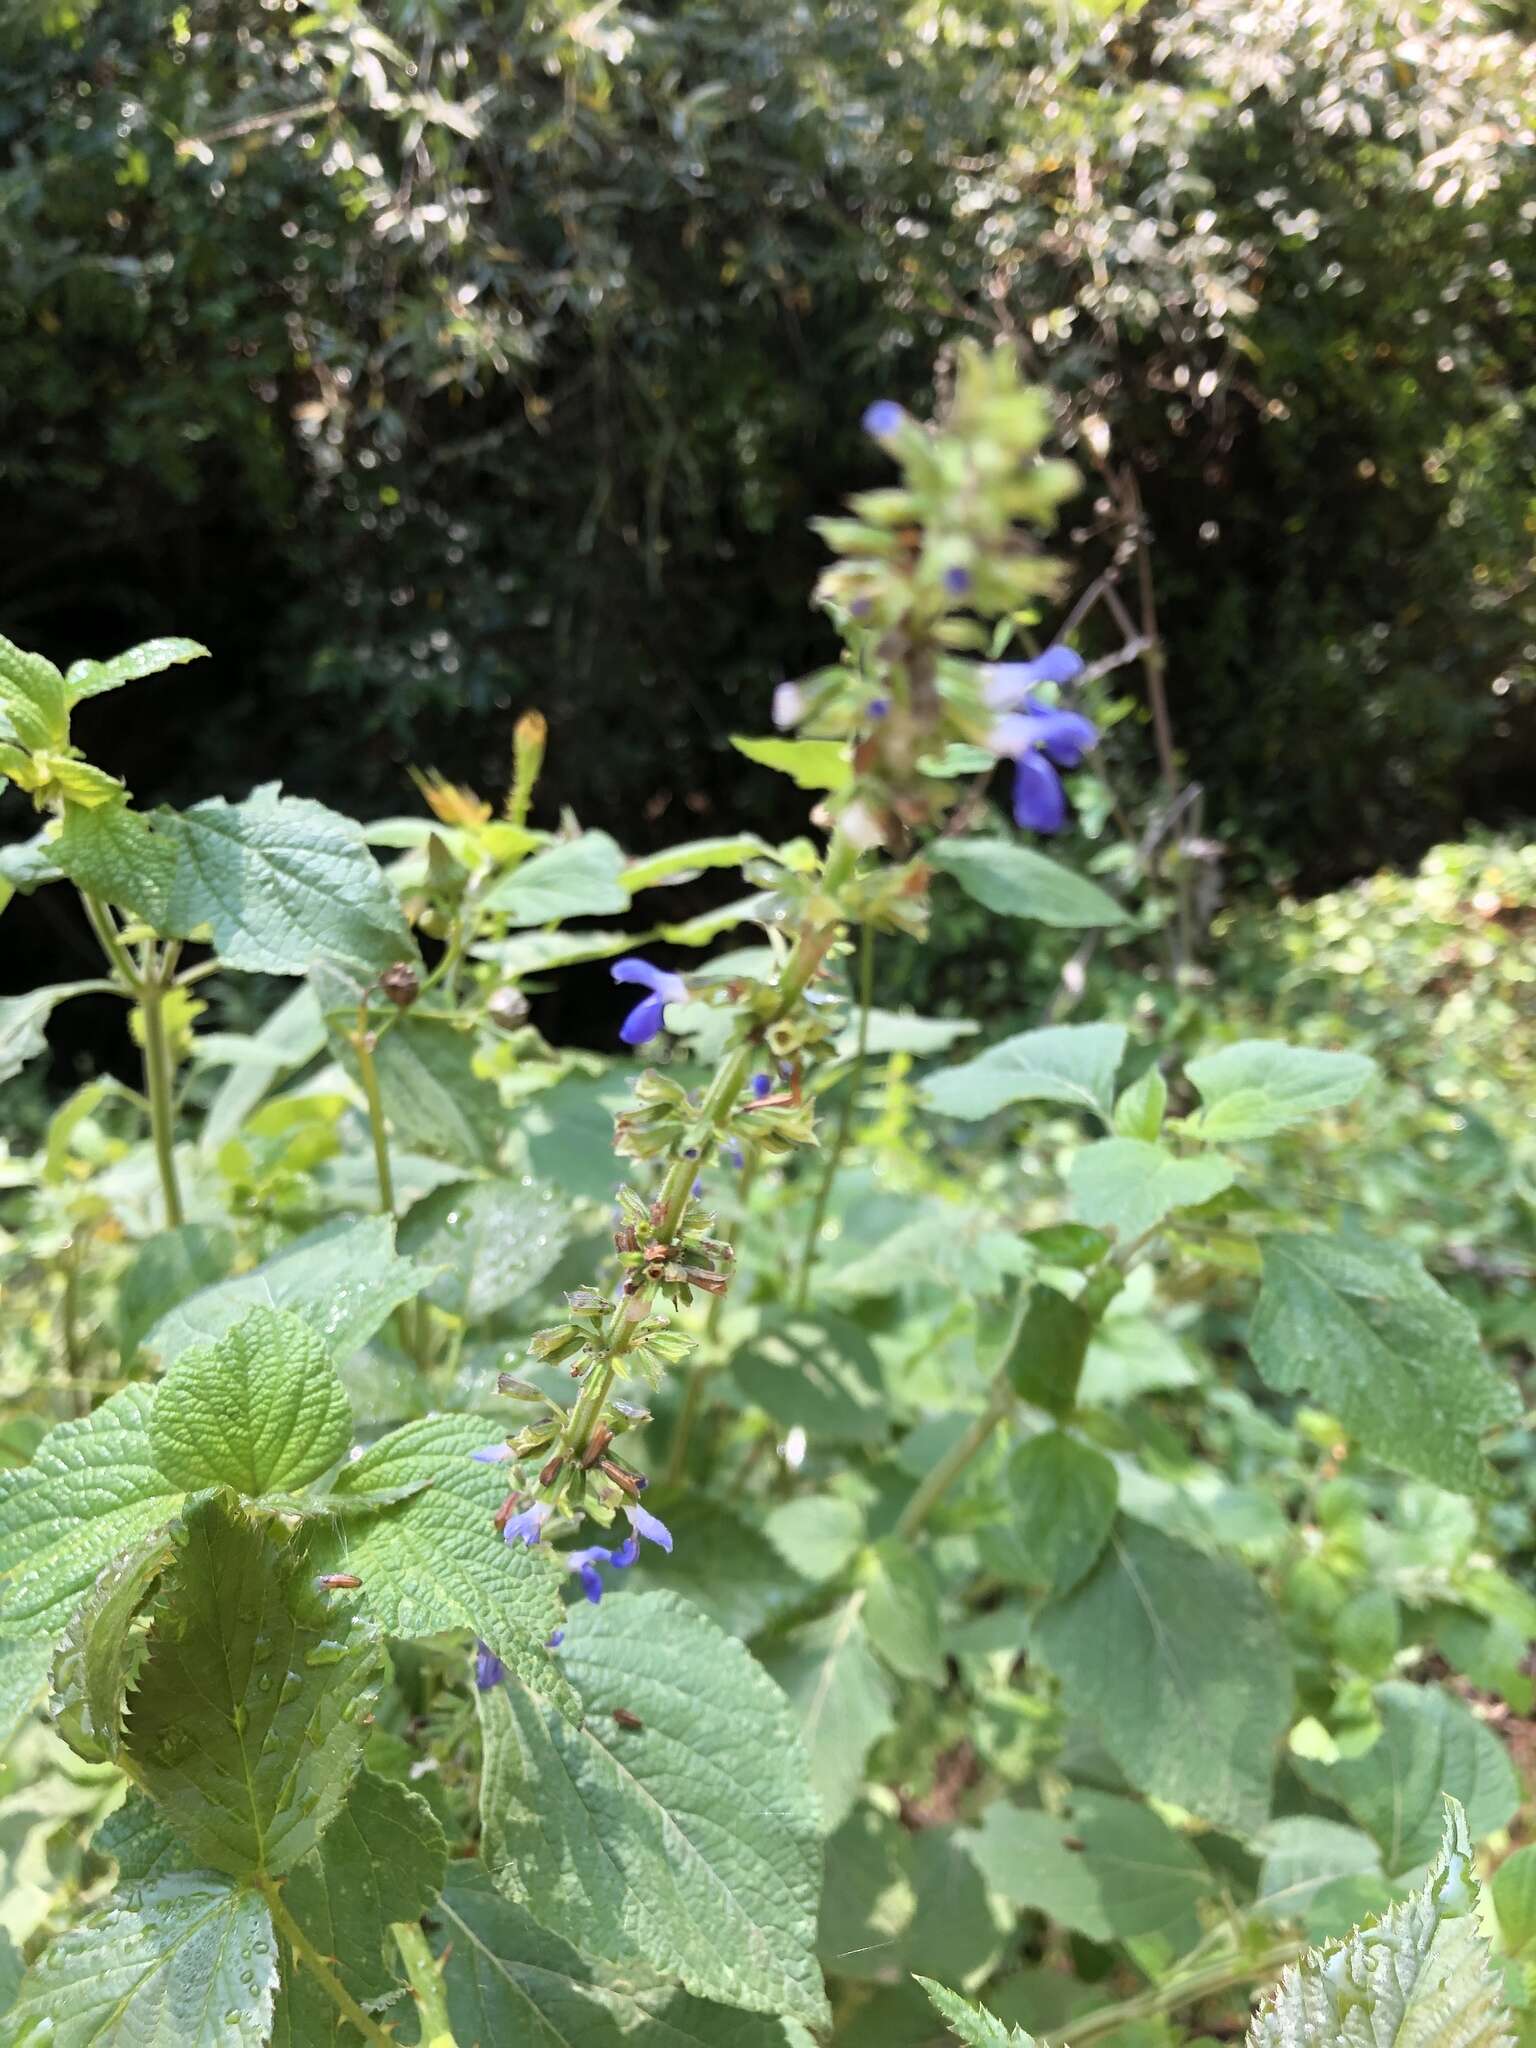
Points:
[(649, 1014)]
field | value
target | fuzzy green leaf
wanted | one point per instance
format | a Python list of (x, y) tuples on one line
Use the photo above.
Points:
[(1070, 1063), (972, 2024), (582, 878), (435, 1561), (511, 1980), (901, 1613), (1429, 1745), (492, 1240), (246, 1724), (1063, 1498), (91, 1492), (689, 1843), (32, 702), (843, 1701), (102, 1652), (382, 1859), (259, 1411), (1260, 1086), (1179, 1661), (344, 1279), (809, 764), (1015, 881), (1127, 1186), (1420, 1977), (91, 678), (187, 1959), (1109, 1869), (24, 1019), (1365, 1330)]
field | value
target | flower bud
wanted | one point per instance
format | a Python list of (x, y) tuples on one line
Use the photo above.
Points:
[(400, 984), (506, 1008)]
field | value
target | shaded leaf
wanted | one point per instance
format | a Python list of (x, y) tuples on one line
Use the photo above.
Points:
[(1070, 1063), (843, 1702), (492, 1240), (1015, 881), (1064, 1495), (1127, 1186), (1260, 1086)]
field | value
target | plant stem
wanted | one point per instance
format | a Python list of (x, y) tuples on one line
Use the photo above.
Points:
[(305, 1952), (101, 923), (362, 1040), (693, 1393), (159, 1086), (1181, 1991), (959, 1455), (425, 1973), (845, 1112)]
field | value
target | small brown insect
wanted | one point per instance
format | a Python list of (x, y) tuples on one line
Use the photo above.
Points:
[(626, 1719), (339, 1582), (1073, 1842)]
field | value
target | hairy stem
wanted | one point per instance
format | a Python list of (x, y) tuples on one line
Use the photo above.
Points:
[(305, 1952), (159, 1086), (1168, 1997), (425, 1973), (846, 1107), (362, 1040)]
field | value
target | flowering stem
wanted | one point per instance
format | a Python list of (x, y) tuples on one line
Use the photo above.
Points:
[(305, 1952), (844, 1117), (425, 1973), (693, 1395)]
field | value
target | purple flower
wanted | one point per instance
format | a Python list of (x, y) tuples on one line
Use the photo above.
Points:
[(877, 707), (584, 1563), (528, 1526), (1033, 740), (649, 1014), (554, 1639), (1007, 684), (489, 1669), (735, 1157), (762, 1084), (957, 581), (492, 1454), (884, 419), (651, 1527)]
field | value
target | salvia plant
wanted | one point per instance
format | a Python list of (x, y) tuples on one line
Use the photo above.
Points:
[(914, 1521)]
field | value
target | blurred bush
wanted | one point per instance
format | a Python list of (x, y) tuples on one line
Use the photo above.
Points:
[(429, 359)]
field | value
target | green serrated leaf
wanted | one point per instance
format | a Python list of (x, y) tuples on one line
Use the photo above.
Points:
[(382, 1859), (1366, 1331), (1063, 1495), (90, 678), (260, 1411), (95, 1666), (1180, 1662), (188, 1959), (140, 1843), (24, 1668), (843, 1702), (972, 2024), (1127, 1186), (24, 1019), (247, 1721), (1069, 1063), (92, 1491), (581, 878), (1301, 1854), (345, 1279), (1260, 1086), (1430, 1744), (901, 1613), (511, 1980), (32, 704), (689, 1843), (279, 881), (1015, 881), (491, 1239), (810, 764), (436, 1561), (1108, 1868), (1420, 1977)]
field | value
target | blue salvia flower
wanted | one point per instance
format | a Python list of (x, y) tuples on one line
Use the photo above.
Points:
[(957, 580), (649, 1014), (762, 1084), (884, 419), (1007, 684), (1033, 740), (584, 1563), (489, 1669), (528, 1526), (554, 1639), (651, 1527), (492, 1454)]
